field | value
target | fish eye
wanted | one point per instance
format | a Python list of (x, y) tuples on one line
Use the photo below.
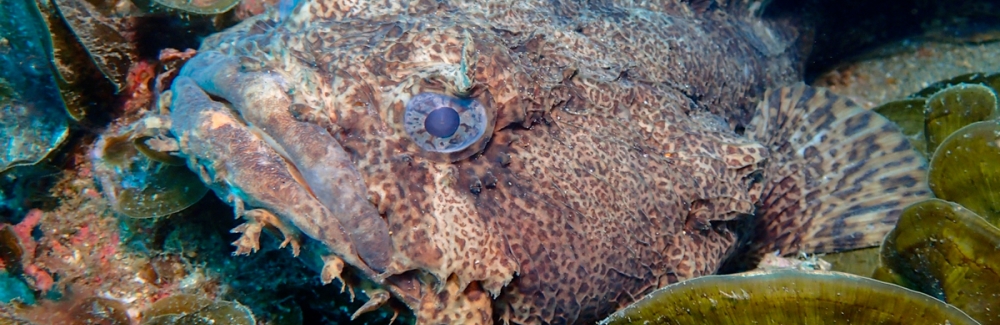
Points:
[(444, 124)]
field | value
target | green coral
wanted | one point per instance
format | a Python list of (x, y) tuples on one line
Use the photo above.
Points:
[(787, 297), (955, 107), (908, 114), (33, 119), (991, 80), (141, 182), (191, 309), (966, 169), (946, 247), (949, 252)]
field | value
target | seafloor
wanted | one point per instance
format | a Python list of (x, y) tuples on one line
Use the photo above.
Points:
[(897, 70)]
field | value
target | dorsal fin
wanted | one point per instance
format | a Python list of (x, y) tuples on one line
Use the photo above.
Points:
[(838, 176)]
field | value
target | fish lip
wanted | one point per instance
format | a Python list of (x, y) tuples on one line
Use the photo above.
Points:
[(367, 227), (379, 256)]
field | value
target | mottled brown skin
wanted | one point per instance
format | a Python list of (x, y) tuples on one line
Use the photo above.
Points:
[(610, 167)]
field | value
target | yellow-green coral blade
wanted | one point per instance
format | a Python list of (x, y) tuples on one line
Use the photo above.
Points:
[(33, 121), (947, 251), (908, 114), (787, 297), (966, 169), (955, 107)]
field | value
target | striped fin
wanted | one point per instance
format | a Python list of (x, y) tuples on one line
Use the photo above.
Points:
[(838, 176)]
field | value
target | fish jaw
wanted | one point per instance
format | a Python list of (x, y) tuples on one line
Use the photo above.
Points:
[(244, 170), (323, 166)]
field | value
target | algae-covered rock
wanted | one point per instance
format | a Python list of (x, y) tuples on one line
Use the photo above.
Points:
[(787, 297), (908, 114), (194, 310), (966, 169), (8, 315), (955, 107), (82, 84), (948, 252), (30, 131), (176, 304), (102, 35), (141, 186), (98, 310)]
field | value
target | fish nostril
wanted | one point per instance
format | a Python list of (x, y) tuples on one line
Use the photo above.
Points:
[(476, 187)]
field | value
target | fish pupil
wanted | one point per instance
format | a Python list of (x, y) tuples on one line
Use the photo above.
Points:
[(442, 122)]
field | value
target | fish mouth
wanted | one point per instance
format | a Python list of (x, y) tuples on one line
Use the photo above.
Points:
[(370, 232), (338, 186), (321, 165)]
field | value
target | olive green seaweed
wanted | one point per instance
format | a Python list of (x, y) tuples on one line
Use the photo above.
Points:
[(787, 297), (948, 252), (103, 36), (82, 85)]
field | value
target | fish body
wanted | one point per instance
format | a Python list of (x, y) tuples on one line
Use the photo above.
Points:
[(532, 162)]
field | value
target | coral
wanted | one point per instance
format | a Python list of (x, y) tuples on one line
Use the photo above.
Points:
[(33, 122), (201, 7), (955, 107), (945, 247), (947, 251), (787, 296), (13, 288), (191, 309), (965, 169), (140, 182), (908, 114)]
